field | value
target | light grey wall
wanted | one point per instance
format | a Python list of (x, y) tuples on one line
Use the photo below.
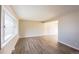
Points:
[(69, 30), (0, 26)]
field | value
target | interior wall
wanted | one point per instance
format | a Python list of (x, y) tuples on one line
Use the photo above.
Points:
[(0, 26), (51, 28), (30, 28), (69, 30)]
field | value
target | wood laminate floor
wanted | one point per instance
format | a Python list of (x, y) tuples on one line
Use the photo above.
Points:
[(42, 45)]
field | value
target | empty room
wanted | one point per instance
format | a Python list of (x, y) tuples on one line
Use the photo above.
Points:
[(39, 29)]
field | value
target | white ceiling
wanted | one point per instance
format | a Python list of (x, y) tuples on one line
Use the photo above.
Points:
[(41, 12)]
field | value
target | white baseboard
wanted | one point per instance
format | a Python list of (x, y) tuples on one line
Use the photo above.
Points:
[(31, 36), (69, 45), (35, 35)]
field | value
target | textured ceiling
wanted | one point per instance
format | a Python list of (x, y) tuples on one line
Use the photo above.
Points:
[(41, 12)]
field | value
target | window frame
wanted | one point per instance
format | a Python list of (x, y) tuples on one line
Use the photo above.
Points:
[(3, 18)]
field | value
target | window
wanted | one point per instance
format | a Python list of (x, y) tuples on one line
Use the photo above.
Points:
[(9, 26)]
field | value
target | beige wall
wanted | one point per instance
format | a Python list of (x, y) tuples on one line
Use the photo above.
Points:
[(51, 28), (30, 28), (34, 29)]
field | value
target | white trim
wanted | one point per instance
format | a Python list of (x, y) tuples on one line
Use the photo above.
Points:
[(69, 45), (31, 36), (34, 35)]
